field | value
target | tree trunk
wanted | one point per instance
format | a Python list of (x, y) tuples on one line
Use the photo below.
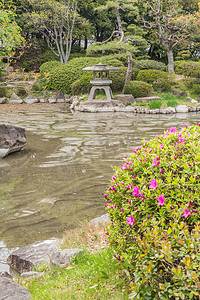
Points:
[(86, 43), (170, 57), (129, 71)]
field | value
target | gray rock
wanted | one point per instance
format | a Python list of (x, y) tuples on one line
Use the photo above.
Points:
[(194, 101), (5, 274), (67, 96), (95, 106), (198, 107), (27, 258), (182, 109), (9, 290), (178, 92), (148, 99), (103, 219), (192, 108), (125, 98), (64, 257), (60, 95), (60, 100), (12, 139), (188, 99), (14, 99), (52, 100), (118, 103), (170, 110), (30, 99), (32, 274), (3, 100), (42, 100)]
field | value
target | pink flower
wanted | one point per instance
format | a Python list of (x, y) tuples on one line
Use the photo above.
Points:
[(153, 184), (186, 213), (190, 196), (122, 209), (194, 211), (161, 171), (161, 200), (106, 233), (130, 220), (136, 191), (199, 124), (186, 125), (191, 203), (161, 146), (105, 196), (173, 129), (156, 162), (135, 207), (149, 216)]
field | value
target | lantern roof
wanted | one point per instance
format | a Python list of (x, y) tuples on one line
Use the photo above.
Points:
[(100, 68)]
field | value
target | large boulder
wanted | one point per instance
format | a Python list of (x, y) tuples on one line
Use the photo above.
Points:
[(9, 290), (2, 100), (148, 99), (12, 138), (27, 258)]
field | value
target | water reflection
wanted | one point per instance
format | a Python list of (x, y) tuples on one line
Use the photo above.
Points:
[(59, 179)]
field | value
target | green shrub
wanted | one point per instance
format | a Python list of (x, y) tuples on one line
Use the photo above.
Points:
[(183, 55), (62, 76), (49, 66), (153, 203), (118, 79), (134, 73), (196, 88), (172, 103), (3, 91), (155, 104), (21, 91), (162, 84), (187, 68), (82, 85), (150, 64), (150, 76), (138, 89)]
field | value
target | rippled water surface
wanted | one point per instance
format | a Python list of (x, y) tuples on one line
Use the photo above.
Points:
[(59, 179)]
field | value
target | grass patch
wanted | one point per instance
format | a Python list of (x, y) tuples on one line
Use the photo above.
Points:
[(96, 274), (91, 276)]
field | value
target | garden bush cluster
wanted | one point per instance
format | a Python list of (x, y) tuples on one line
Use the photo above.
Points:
[(187, 68), (138, 88), (153, 204)]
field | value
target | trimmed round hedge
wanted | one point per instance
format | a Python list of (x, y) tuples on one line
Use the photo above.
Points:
[(187, 68), (150, 64), (150, 76), (138, 89), (154, 206)]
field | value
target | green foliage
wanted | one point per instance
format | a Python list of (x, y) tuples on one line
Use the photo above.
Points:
[(118, 79), (150, 64), (153, 203), (3, 92), (138, 89), (49, 66), (150, 76), (63, 75), (21, 91), (155, 104), (183, 55), (82, 85), (187, 68), (172, 103), (134, 73), (162, 84), (10, 33)]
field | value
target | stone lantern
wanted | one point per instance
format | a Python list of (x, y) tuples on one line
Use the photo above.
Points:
[(100, 80)]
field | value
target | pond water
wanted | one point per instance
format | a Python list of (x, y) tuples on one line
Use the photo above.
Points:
[(59, 179)]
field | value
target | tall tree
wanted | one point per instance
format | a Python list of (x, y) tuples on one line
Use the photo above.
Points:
[(163, 17), (55, 19), (119, 41)]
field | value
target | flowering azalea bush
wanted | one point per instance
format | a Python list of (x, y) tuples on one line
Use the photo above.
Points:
[(158, 186)]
